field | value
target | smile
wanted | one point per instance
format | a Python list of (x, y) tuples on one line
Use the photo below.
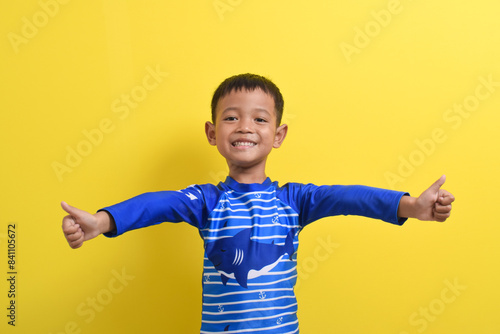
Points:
[(243, 143)]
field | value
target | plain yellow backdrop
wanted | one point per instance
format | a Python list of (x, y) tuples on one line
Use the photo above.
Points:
[(104, 100)]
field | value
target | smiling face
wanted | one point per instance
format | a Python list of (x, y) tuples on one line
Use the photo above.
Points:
[(245, 131)]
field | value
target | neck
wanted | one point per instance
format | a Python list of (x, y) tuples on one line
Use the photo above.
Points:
[(255, 174), (245, 178)]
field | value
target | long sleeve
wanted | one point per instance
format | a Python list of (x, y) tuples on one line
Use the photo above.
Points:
[(187, 205), (316, 202)]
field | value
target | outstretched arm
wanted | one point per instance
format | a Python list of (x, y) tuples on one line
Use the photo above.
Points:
[(80, 226), (433, 204)]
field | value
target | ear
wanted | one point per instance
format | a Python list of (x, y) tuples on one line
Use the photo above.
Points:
[(280, 135), (210, 132)]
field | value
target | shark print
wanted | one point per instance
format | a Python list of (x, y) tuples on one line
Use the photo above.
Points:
[(241, 258)]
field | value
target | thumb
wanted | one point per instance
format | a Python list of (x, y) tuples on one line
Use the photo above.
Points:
[(436, 185), (70, 209)]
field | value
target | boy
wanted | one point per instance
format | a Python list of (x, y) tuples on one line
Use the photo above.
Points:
[(249, 224)]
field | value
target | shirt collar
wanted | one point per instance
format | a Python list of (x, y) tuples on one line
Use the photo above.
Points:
[(246, 187)]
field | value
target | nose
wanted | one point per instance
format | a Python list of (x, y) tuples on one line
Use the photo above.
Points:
[(245, 125)]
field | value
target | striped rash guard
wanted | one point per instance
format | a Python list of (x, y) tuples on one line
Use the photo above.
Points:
[(250, 234)]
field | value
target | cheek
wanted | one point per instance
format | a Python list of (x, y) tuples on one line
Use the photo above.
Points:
[(271, 135), (222, 138)]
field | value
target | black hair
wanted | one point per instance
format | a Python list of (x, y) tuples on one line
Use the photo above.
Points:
[(249, 82)]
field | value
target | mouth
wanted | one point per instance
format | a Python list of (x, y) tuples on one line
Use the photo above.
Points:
[(243, 143)]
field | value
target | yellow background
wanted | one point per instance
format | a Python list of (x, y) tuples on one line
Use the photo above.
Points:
[(355, 118)]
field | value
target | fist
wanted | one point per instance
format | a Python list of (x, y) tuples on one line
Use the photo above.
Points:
[(435, 203), (78, 226)]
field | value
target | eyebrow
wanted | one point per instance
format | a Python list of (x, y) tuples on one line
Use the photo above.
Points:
[(237, 109)]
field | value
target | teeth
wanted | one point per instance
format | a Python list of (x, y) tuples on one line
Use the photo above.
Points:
[(243, 143)]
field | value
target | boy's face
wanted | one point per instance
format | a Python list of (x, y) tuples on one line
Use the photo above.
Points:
[(245, 129)]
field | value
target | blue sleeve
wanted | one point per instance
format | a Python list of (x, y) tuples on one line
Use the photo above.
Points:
[(316, 202), (187, 205)]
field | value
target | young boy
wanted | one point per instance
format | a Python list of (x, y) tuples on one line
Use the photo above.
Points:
[(249, 224)]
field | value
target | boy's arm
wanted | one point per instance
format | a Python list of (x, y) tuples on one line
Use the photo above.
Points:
[(186, 205), (433, 204), (80, 226)]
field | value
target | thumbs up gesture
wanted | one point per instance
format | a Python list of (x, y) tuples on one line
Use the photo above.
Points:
[(433, 204), (79, 226)]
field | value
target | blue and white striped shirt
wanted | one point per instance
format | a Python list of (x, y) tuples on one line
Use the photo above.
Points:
[(250, 233)]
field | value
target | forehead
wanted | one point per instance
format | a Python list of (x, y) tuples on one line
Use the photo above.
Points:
[(246, 100)]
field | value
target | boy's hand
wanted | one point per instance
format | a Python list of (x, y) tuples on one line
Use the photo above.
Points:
[(80, 226), (433, 204)]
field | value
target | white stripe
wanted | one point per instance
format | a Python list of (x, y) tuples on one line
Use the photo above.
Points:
[(252, 193), (269, 237), (255, 215), (245, 292), (287, 207), (247, 209), (254, 207), (253, 238), (282, 243), (247, 226), (212, 267), (251, 310), (217, 238), (270, 273), (249, 301), (254, 329), (254, 284), (249, 201), (247, 319)]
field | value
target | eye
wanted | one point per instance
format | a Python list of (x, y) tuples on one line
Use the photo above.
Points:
[(230, 118), (260, 120)]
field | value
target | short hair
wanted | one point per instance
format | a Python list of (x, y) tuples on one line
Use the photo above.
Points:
[(249, 82)]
